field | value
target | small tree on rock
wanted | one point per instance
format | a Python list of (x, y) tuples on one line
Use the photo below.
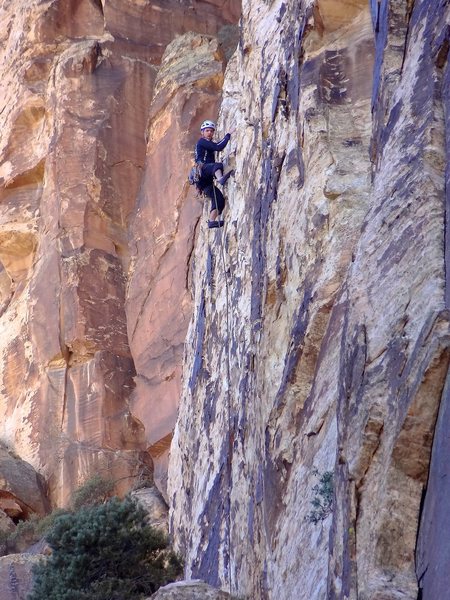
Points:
[(95, 490), (105, 552)]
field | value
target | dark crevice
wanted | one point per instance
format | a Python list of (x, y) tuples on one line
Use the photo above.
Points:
[(442, 54), (409, 9), (99, 5), (190, 254), (419, 520)]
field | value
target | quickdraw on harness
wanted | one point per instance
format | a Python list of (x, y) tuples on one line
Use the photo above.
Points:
[(195, 173)]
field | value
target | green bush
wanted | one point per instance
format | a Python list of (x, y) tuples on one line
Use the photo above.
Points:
[(104, 552), (27, 532), (323, 500), (94, 491)]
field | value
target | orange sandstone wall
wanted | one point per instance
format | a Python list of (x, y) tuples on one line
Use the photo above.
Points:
[(77, 81)]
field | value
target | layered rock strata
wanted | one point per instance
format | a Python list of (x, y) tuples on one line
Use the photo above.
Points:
[(68, 144), (320, 338)]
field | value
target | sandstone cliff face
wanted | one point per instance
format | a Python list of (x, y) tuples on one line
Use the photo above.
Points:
[(77, 81), (319, 338), (320, 335)]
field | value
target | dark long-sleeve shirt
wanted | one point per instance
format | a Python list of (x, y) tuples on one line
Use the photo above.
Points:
[(205, 150)]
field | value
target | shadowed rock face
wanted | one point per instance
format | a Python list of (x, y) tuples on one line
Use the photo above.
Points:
[(324, 341), (433, 551), (77, 80)]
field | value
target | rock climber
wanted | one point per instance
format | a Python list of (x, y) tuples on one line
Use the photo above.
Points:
[(205, 154)]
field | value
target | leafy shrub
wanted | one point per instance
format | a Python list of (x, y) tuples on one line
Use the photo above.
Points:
[(44, 524), (104, 552), (27, 532), (323, 500), (95, 490)]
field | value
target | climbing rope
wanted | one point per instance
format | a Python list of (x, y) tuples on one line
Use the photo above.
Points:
[(228, 361)]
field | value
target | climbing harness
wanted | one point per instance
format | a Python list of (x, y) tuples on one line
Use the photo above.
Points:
[(195, 173)]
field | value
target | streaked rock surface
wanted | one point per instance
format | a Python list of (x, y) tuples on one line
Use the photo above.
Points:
[(319, 342), (16, 576), (323, 341)]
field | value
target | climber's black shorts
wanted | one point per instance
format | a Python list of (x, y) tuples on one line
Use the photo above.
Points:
[(208, 169), (206, 185)]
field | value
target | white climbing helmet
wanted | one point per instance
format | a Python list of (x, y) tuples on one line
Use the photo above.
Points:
[(208, 125)]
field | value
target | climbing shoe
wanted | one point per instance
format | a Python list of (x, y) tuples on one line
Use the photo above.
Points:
[(224, 179)]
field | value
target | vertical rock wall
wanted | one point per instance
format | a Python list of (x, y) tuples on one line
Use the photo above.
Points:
[(396, 354), (320, 339), (67, 143), (163, 232), (77, 82)]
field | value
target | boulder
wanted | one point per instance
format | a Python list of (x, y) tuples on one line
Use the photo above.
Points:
[(16, 575), (22, 490), (151, 500), (189, 590)]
